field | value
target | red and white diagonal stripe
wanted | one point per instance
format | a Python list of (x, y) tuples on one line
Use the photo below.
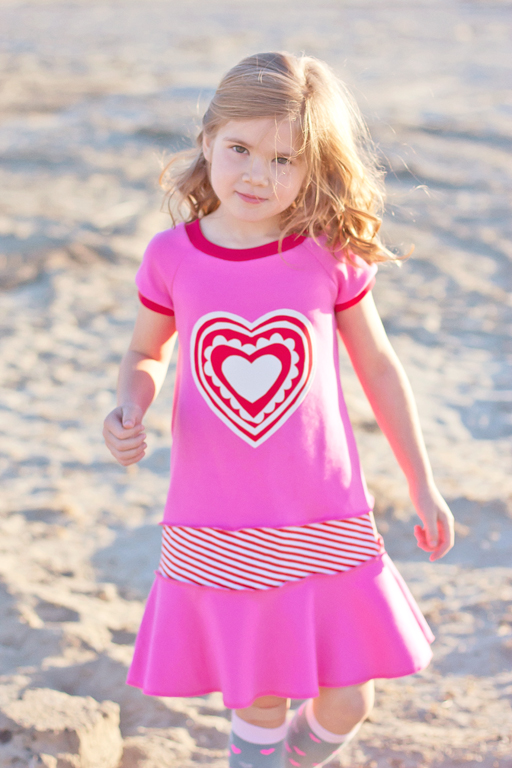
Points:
[(262, 558)]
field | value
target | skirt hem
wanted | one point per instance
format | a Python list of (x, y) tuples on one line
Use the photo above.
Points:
[(322, 631), (297, 695)]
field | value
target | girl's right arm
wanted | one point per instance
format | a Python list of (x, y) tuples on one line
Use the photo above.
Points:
[(141, 376)]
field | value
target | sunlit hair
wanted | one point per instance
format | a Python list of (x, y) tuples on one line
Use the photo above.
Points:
[(343, 195)]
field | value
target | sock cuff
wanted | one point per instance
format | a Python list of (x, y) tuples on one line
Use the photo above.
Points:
[(323, 733), (256, 734)]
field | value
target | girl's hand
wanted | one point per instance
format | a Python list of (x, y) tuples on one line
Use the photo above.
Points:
[(437, 534), (125, 435)]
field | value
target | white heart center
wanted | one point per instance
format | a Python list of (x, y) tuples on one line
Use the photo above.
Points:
[(251, 380)]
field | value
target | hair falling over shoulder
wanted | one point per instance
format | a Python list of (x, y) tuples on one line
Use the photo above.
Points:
[(343, 195)]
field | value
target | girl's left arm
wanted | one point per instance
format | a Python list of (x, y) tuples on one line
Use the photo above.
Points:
[(389, 393)]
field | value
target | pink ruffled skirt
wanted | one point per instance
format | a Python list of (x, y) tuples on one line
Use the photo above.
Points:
[(320, 631)]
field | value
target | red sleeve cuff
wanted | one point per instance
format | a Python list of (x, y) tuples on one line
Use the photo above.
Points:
[(155, 307), (356, 299)]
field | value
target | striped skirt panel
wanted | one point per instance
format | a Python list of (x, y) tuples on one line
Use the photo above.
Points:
[(264, 558)]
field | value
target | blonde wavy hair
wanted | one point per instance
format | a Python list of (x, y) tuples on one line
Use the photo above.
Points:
[(342, 197)]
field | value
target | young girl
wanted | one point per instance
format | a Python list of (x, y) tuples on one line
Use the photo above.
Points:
[(273, 582)]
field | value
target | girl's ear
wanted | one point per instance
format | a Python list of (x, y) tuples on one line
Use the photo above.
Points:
[(207, 147)]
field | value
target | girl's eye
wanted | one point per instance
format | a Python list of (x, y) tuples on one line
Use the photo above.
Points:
[(283, 160), (239, 149)]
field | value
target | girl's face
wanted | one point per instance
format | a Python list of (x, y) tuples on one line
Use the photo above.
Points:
[(255, 169)]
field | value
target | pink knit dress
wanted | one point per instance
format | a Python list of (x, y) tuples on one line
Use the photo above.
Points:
[(272, 578)]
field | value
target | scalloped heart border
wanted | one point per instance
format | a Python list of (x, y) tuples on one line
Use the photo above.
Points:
[(283, 326)]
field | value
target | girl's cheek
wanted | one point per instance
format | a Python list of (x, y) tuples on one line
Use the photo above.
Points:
[(284, 182), (282, 176), (229, 160)]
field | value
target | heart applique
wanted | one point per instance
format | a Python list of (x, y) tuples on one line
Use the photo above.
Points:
[(251, 380), (253, 375)]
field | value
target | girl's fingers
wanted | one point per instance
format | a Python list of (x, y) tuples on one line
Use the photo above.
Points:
[(127, 462), (129, 457), (125, 435), (436, 534), (421, 538), (439, 550), (114, 427), (123, 421), (431, 532), (129, 453), (424, 538), (446, 538), (131, 416), (126, 443)]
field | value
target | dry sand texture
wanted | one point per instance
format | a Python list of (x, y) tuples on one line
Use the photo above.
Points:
[(92, 94)]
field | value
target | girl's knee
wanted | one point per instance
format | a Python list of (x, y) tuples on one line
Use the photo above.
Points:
[(266, 711), (345, 707)]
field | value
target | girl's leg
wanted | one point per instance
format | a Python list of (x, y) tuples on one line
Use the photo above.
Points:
[(339, 710), (267, 711), (257, 734), (320, 726)]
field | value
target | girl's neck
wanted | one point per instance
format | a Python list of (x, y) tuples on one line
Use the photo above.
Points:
[(228, 232)]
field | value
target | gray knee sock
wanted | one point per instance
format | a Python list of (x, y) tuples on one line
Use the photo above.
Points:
[(251, 746), (307, 743)]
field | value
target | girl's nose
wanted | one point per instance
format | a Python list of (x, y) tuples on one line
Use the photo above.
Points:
[(257, 173)]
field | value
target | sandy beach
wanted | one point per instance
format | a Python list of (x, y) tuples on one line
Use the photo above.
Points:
[(93, 97)]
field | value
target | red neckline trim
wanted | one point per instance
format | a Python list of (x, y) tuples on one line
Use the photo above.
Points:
[(199, 241)]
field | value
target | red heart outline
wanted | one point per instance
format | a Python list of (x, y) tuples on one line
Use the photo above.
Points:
[(220, 354), (286, 334)]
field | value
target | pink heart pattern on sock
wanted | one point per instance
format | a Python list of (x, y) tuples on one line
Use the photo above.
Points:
[(267, 751), (235, 750)]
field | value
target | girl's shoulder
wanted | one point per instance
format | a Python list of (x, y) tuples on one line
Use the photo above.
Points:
[(351, 275), (164, 243), (341, 261), (166, 250), (162, 257)]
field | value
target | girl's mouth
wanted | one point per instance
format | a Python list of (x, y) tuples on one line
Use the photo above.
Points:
[(251, 198)]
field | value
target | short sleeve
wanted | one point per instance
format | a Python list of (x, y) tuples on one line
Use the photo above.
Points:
[(154, 277), (354, 281)]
